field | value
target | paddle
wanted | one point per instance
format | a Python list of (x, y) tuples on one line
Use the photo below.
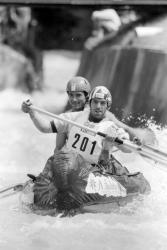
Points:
[(15, 188), (144, 150)]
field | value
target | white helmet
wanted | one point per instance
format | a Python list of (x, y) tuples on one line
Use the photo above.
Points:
[(103, 93), (78, 83)]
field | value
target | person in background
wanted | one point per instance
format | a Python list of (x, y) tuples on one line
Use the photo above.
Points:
[(78, 90), (18, 29), (105, 22)]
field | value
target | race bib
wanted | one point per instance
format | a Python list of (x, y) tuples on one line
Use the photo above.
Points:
[(85, 143), (104, 185)]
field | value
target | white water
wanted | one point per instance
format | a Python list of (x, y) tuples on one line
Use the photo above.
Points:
[(23, 149)]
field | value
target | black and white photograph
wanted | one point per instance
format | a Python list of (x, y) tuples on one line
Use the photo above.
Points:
[(83, 124)]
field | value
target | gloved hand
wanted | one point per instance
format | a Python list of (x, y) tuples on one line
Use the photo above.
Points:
[(109, 140), (122, 135), (26, 106), (137, 141), (115, 132), (112, 133)]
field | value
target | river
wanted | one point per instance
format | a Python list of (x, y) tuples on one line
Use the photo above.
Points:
[(139, 225)]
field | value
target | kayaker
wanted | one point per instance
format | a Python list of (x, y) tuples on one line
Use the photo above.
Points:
[(78, 90), (95, 150), (91, 116)]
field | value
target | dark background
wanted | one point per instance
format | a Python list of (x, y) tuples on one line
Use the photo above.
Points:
[(67, 27)]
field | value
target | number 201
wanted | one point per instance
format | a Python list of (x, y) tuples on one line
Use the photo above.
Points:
[(84, 143)]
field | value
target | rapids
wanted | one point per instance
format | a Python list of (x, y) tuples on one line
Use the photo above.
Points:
[(139, 225)]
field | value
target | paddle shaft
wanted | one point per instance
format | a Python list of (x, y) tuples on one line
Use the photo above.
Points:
[(18, 187), (147, 151), (7, 189), (156, 150), (14, 187)]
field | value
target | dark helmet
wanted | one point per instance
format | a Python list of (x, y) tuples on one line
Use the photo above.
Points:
[(79, 84)]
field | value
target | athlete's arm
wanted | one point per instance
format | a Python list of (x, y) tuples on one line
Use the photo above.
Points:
[(120, 124), (145, 135), (41, 123), (115, 132), (60, 140)]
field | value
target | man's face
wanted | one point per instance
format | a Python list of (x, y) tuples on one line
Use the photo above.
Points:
[(98, 108), (77, 100)]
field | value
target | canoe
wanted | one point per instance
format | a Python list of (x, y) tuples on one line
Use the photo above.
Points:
[(76, 187)]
